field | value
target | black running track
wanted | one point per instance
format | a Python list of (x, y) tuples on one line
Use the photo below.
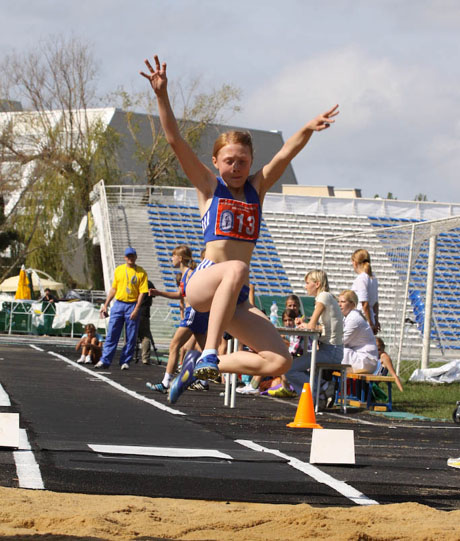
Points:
[(200, 449)]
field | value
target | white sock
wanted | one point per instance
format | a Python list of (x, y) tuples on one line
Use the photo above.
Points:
[(208, 352), (167, 380)]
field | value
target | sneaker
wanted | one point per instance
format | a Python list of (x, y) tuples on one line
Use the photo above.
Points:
[(100, 364), (207, 367), (322, 403), (81, 360), (328, 388), (124, 366), (182, 381), (88, 360), (247, 389), (157, 387), (282, 392), (199, 385)]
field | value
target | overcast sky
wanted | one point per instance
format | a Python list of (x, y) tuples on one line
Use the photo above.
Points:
[(392, 65)]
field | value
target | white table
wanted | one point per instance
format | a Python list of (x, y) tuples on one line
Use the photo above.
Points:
[(230, 381), (314, 335)]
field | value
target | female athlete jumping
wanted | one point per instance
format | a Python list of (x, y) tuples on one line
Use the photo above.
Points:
[(230, 207)]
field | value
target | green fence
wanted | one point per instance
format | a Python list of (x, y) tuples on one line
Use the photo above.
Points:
[(16, 318), (264, 302)]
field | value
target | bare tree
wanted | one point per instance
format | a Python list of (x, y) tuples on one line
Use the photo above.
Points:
[(52, 153), (196, 112)]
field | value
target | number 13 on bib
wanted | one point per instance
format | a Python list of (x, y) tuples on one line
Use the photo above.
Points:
[(237, 219)]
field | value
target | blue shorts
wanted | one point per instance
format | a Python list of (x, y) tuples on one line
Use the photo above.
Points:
[(204, 264), (197, 322)]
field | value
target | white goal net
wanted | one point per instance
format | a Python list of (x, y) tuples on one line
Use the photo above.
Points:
[(418, 268)]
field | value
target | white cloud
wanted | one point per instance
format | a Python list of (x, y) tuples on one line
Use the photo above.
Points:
[(394, 132), (361, 84)]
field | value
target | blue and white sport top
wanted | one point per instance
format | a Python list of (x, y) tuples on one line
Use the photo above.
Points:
[(228, 218), (184, 280)]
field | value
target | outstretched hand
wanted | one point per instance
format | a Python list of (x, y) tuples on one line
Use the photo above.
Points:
[(157, 77), (153, 292), (324, 121)]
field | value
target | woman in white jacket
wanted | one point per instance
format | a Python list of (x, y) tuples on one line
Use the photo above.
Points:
[(359, 345)]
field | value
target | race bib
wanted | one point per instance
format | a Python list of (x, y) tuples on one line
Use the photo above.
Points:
[(237, 219)]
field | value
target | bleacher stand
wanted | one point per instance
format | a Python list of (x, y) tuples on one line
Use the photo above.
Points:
[(293, 233)]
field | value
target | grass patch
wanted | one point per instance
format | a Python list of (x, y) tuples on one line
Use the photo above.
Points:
[(427, 399)]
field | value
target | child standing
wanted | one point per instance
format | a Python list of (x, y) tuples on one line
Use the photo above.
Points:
[(230, 207), (365, 285)]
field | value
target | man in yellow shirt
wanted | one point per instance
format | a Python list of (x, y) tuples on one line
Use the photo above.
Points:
[(129, 288)]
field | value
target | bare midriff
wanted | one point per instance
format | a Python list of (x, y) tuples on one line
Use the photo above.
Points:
[(219, 251)]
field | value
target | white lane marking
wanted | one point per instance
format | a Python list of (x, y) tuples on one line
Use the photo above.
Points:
[(36, 347), (340, 486), (28, 471), (355, 419), (158, 451), (393, 426), (4, 398), (116, 385)]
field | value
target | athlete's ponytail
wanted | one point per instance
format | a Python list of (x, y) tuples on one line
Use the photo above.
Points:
[(362, 258), (185, 253)]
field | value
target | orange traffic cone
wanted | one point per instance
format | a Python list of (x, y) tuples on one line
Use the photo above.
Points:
[(305, 415)]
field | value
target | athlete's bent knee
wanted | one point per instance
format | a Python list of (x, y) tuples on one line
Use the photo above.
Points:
[(238, 270), (281, 364)]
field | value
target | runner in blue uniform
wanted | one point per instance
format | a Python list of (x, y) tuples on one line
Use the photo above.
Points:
[(230, 206), (193, 323)]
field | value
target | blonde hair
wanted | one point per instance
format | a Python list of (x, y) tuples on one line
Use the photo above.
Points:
[(185, 253), (362, 258), (233, 137), (350, 295), (318, 276)]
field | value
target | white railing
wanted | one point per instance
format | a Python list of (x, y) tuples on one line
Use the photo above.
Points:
[(293, 204), (99, 198)]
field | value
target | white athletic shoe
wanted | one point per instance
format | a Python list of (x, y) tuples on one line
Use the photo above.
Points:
[(88, 360), (247, 389), (328, 388), (81, 360), (124, 366), (100, 364)]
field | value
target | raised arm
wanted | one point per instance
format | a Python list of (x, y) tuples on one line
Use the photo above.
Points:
[(198, 174), (271, 172)]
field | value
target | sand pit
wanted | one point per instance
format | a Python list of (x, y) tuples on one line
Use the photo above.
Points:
[(49, 516)]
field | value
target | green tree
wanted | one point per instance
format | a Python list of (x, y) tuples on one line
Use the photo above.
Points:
[(53, 153), (388, 196), (420, 197)]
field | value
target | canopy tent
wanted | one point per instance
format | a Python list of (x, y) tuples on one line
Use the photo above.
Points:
[(38, 283)]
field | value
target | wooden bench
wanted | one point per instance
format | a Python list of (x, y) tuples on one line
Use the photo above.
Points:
[(363, 397)]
